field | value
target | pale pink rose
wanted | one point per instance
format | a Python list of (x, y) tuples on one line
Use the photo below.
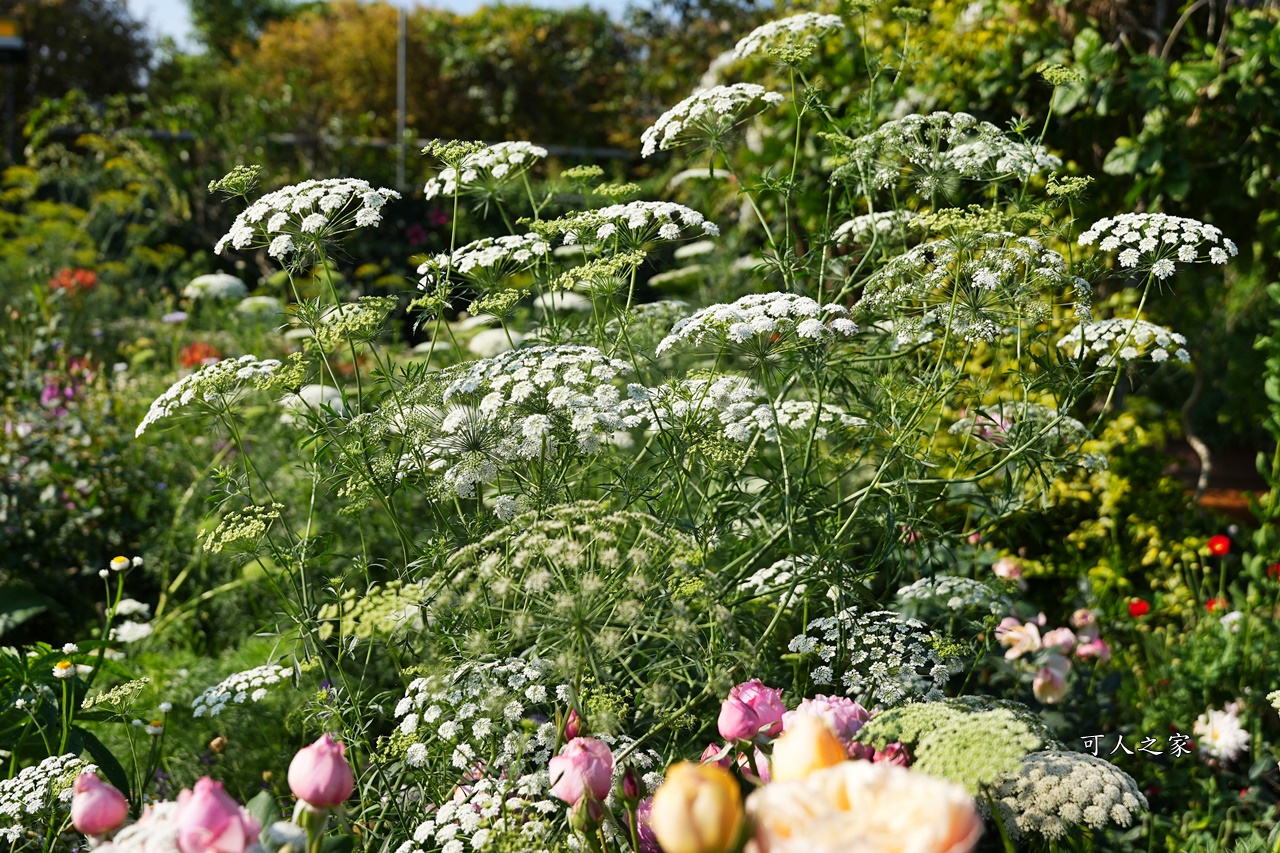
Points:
[(762, 767), (893, 753), (1061, 639), (1096, 649), (584, 765), (210, 821), (319, 774), (1007, 568), (845, 717), (1018, 638), (1083, 618), (96, 807), (861, 806), (1050, 683), (751, 709)]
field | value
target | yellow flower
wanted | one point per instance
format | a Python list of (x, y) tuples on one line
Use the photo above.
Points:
[(698, 809), (861, 807), (807, 745)]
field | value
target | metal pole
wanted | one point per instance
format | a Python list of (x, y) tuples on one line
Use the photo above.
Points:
[(401, 50)]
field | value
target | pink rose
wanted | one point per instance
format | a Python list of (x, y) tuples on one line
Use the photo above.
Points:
[(644, 827), (1050, 683), (209, 821), (1061, 639), (751, 709), (1007, 568), (1083, 618), (721, 755), (96, 807), (1096, 648), (844, 716), (572, 726), (585, 764), (319, 774), (1018, 638), (893, 753), (761, 770)]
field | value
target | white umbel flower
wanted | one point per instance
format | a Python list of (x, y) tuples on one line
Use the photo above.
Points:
[(1054, 792), (771, 314), (786, 32), (1125, 339), (706, 114), (497, 163)]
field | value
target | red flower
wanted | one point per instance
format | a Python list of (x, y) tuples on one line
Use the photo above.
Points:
[(1219, 545), (1215, 604), (197, 354), (1273, 570), (1139, 608), (74, 281)]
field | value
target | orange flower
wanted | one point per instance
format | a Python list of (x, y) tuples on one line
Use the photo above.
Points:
[(197, 354), (74, 281)]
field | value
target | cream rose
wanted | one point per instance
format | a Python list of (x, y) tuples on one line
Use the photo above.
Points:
[(860, 807)]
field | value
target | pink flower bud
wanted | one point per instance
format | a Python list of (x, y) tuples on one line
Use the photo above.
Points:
[(1061, 639), (209, 821), (721, 755), (319, 774), (630, 785), (1096, 648), (761, 773), (893, 753), (585, 764), (751, 709), (1007, 568), (572, 725), (96, 807), (1083, 618), (1050, 683)]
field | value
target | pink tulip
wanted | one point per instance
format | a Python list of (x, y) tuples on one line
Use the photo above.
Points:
[(585, 765), (209, 821), (751, 709), (96, 807), (1096, 648), (319, 774), (893, 753), (1050, 683), (844, 716)]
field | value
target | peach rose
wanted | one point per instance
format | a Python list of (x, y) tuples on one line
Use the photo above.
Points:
[(861, 807)]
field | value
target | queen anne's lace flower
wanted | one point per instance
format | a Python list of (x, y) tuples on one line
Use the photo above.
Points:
[(302, 213), (786, 32), (937, 148), (1155, 240), (39, 795), (1125, 340), (486, 260), (631, 225), (1053, 792), (955, 594), (880, 657), (706, 114), (870, 225), (978, 285), (800, 417), (248, 686), (210, 383), (495, 164), (772, 314)]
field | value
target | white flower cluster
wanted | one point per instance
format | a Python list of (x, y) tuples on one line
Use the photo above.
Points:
[(522, 404), (977, 284), (1110, 341), (955, 594), (217, 286), (1154, 240), (644, 321), (248, 686), (783, 577), (288, 218), (773, 314), (802, 417), (786, 31), (1219, 734), (872, 225), (476, 713), (634, 223), (937, 146), (706, 114), (885, 657), (488, 259), (1054, 791), (208, 384), (496, 163), (488, 810), (693, 404), (27, 799)]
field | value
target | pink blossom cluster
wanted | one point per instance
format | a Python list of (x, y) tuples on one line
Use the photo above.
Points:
[(1051, 650)]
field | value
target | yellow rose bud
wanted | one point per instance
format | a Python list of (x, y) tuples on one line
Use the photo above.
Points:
[(807, 745), (698, 809)]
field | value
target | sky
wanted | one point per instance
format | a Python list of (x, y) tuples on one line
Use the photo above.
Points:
[(171, 17)]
